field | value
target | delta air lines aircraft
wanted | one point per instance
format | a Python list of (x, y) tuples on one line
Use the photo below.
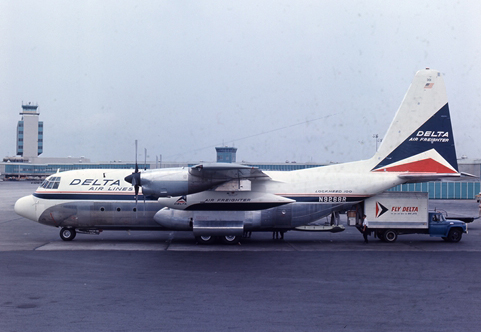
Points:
[(228, 200)]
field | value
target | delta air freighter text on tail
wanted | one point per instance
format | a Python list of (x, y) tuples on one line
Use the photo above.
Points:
[(227, 200)]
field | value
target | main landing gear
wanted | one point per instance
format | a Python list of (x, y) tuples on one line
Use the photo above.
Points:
[(225, 239)]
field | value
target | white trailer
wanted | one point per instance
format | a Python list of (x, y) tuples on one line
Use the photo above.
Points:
[(393, 213)]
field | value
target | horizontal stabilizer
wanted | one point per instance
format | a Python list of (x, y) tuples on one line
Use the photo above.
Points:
[(426, 177), (464, 174)]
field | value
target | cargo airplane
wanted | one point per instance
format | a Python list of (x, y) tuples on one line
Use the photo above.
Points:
[(228, 200)]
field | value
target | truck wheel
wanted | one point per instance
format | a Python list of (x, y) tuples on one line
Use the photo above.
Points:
[(455, 235), (390, 235)]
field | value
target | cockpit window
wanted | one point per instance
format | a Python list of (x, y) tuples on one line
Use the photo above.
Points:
[(51, 183)]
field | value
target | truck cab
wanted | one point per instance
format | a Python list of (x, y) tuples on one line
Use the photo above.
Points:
[(448, 230)]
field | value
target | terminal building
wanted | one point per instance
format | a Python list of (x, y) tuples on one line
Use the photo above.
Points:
[(27, 165)]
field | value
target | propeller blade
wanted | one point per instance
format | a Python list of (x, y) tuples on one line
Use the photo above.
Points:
[(136, 165), (134, 179)]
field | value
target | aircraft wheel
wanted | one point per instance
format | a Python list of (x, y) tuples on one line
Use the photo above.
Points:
[(230, 239), (205, 239), (67, 234), (390, 236), (455, 235)]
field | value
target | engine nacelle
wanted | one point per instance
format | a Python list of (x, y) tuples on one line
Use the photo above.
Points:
[(174, 182), (164, 182)]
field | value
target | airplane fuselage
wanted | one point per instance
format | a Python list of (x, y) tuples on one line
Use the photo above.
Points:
[(102, 199)]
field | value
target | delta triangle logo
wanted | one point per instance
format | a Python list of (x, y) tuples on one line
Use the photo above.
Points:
[(181, 201), (435, 134), (380, 209)]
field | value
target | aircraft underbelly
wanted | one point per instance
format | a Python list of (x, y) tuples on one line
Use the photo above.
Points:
[(92, 214)]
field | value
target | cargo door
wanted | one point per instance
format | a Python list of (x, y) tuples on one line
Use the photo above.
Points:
[(354, 215)]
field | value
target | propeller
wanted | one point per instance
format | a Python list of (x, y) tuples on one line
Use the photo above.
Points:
[(134, 178), (145, 168), (145, 159)]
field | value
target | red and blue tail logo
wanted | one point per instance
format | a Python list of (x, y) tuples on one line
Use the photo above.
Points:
[(429, 149)]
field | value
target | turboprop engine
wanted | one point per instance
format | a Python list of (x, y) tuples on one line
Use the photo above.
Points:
[(168, 182)]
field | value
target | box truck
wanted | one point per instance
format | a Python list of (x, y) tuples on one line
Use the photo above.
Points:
[(394, 213)]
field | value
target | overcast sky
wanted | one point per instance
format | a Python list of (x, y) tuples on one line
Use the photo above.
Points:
[(280, 80)]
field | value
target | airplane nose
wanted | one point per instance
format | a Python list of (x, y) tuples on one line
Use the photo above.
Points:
[(25, 207)]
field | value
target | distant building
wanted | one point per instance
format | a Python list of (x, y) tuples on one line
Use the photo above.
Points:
[(29, 133), (226, 154)]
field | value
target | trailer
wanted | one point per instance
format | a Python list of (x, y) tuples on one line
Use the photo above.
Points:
[(395, 213)]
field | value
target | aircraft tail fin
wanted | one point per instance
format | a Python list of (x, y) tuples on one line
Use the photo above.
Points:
[(420, 138)]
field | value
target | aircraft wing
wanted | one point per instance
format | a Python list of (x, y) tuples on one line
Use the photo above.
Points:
[(227, 172)]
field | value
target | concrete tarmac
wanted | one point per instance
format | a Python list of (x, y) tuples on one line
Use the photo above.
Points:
[(156, 281)]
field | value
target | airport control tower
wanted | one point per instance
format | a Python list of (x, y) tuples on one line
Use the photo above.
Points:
[(226, 154), (29, 133)]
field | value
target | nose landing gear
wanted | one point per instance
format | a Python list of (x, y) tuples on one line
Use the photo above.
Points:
[(67, 234)]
